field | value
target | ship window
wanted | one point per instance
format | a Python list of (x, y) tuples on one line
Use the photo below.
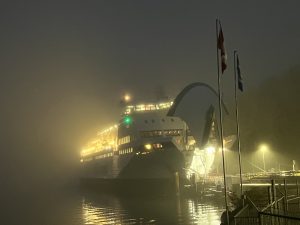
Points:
[(146, 121), (157, 146), (172, 119), (173, 132), (124, 140), (153, 121), (163, 120), (152, 133)]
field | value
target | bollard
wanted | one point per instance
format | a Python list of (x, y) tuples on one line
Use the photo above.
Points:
[(270, 198), (260, 219), (285, 196), (273, 190), (298, 193), (193, 182), (177, 190), (270, 194)]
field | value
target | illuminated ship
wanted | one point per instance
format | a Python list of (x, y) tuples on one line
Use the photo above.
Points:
[(151, 143), (145, 144)]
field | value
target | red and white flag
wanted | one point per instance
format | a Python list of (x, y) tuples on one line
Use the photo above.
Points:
[(223, 51)]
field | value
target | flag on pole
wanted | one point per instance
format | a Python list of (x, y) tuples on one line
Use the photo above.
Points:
[(240, 83), (222, 48)]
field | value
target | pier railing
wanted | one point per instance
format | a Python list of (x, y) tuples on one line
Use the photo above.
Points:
[(283, 210)]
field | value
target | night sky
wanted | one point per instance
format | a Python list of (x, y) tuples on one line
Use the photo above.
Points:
[(64, 66)]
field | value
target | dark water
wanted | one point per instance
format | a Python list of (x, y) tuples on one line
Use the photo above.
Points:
[(86, 207), (156, 210)]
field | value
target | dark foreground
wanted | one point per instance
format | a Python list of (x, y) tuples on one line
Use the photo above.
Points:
[(79, 207)]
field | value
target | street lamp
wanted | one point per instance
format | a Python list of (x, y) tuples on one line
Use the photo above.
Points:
[(263, 148)]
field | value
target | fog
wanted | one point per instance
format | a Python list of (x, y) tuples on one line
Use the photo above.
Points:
[(269, 114), (63, 68)]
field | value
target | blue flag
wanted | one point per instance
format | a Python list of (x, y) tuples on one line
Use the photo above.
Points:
[(240, 83)]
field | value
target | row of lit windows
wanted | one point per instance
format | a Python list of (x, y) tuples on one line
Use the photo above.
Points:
[(104, 155), (86, 159), (147, 107), (124, 140), (162, 120), (125, 151), (156, 133)]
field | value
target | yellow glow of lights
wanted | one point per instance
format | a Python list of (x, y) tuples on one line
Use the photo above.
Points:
[(127, 97), (210, 150), (263, 147), (108, 129), (147, 107), (148, 146), (225, 149), (105, 140)]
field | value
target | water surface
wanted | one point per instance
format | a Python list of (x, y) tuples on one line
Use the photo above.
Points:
[(87, 207), (109, 209)]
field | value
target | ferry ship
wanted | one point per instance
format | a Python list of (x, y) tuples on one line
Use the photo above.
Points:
[(148, 143)]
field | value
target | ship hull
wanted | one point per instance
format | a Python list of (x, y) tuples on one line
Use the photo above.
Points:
[(158, 164), (130, 186), (153, 171)]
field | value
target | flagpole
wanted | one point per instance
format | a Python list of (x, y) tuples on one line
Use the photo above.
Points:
[(237, 121), (221, 123)]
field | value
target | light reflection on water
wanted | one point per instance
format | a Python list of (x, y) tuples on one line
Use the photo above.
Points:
[(108, 209)]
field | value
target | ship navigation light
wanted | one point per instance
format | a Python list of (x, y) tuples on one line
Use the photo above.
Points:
[(127, 120)]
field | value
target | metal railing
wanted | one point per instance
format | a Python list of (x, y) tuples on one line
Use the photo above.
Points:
[(282, 211)]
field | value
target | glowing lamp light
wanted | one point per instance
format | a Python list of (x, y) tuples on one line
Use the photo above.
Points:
[(263, 147), (127, 97), (225, 149), (148, 146), (210, 150)]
